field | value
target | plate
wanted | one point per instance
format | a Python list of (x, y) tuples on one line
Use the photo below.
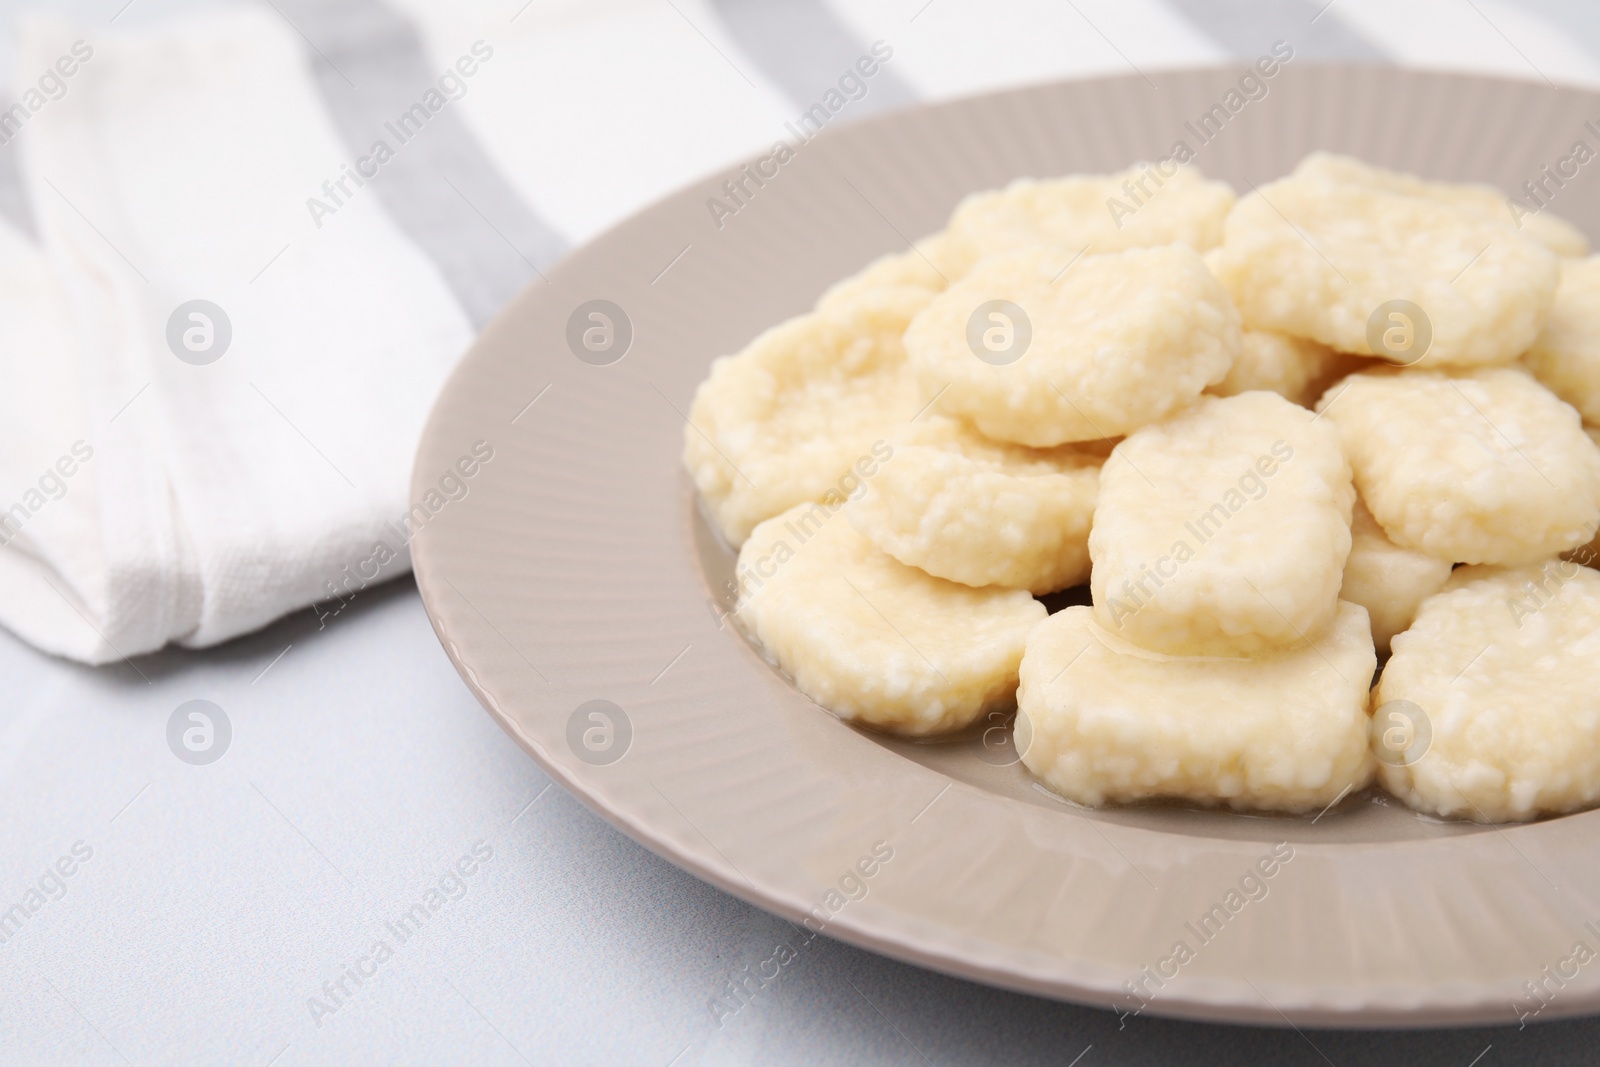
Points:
[(571, 579)]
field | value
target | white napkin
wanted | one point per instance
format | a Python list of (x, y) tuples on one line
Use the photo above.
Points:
[(202, 501)]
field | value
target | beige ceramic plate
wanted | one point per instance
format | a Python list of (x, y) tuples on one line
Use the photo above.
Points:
[(577, 570)]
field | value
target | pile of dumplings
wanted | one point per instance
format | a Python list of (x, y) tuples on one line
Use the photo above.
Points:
[(1279, 436)]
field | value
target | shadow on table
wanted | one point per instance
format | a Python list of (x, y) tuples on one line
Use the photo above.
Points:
[(296, 628)]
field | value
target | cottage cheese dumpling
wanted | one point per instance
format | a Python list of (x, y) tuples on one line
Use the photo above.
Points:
[(1589, 554), (1389, 581), (982, 512), (1223, 530), (1102, 720), (1293, 367), (871, 639), (1319, 259), (1143, 206), (1483, 201), (918, 268), (1481, 466), (1566, 357), (1500, 675), (1034, 351), (786, 419)]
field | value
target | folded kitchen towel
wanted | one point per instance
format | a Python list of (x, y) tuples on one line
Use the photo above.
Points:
[(211, 400)]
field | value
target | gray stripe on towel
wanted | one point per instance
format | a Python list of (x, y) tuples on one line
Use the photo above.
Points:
[(441, 186)]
